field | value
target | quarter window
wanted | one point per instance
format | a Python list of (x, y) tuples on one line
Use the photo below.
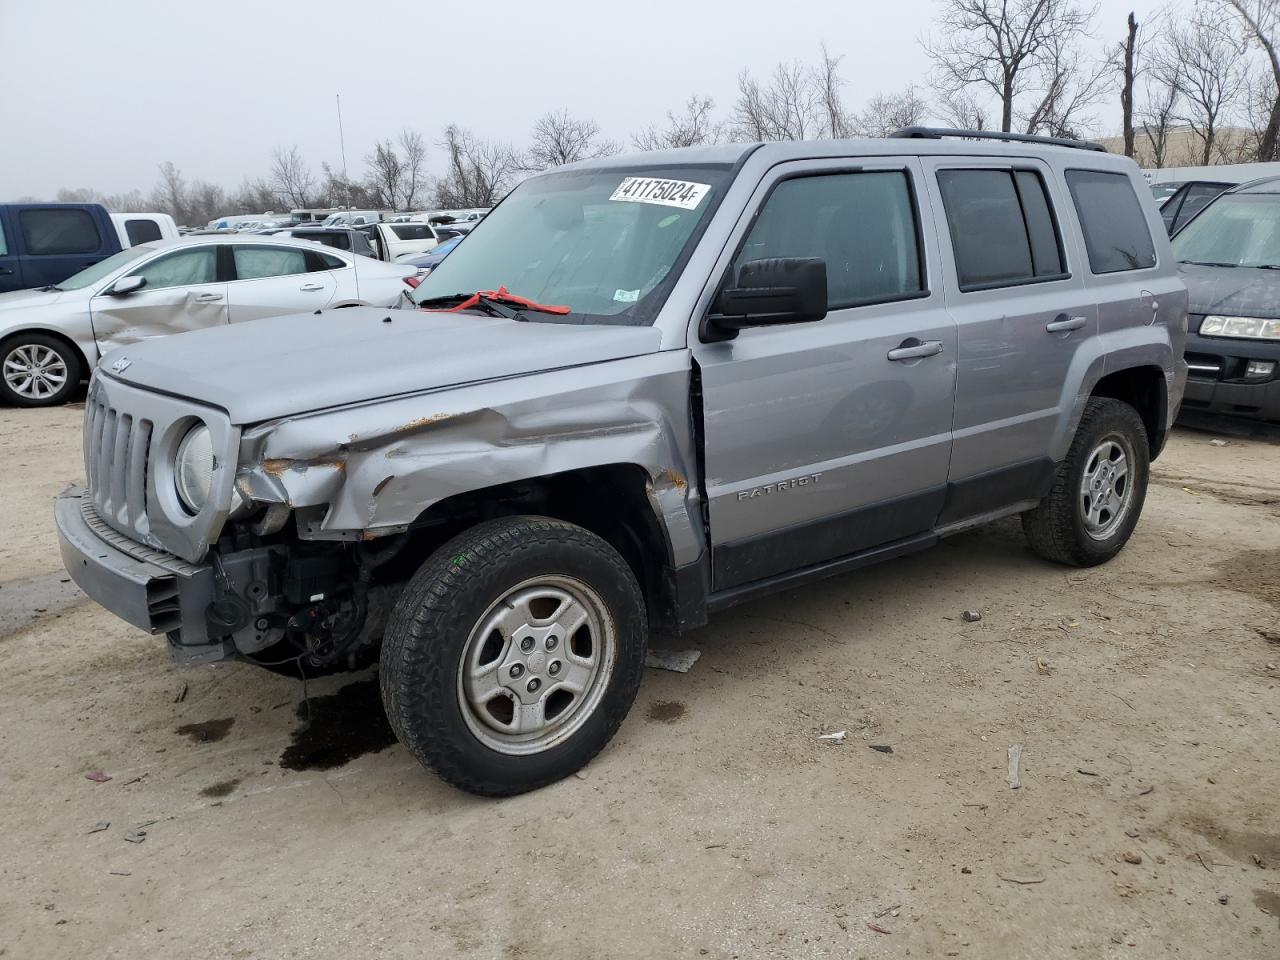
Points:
[(254, 263), (862, 224), (52, 231), (1114, 226), (182, 269), (140, 231), (1002, 228)]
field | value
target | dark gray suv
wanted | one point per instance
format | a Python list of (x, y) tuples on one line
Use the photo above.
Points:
[(645, 389)]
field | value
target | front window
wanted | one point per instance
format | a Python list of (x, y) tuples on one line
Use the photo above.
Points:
[(104, 268), (605, 243), (1236, 230), (182, 268)]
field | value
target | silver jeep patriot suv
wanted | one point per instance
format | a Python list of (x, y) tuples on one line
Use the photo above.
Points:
[(644, 389)]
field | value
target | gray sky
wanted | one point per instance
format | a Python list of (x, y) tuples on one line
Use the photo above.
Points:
[(96, 94)]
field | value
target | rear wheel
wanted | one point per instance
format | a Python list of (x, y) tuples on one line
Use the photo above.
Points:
[(514, 654), (1098, 490), (37, 370)]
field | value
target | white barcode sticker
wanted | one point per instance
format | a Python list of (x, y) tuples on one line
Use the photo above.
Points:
[(684, 194)]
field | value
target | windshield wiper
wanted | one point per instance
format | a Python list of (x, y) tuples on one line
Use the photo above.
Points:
[(499, 302), (1265, 266), (1208, 263), (50, 288)]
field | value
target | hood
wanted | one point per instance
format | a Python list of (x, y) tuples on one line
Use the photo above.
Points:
[(1234, 291), (33, 298), (281, 366)]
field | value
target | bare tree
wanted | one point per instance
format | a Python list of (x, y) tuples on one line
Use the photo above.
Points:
[(1001, 44), (559, 138), (291, 178), (1208, 64), (961, 110), (887, 112), (784, 108), (1068, 86), (170, 194), (413, 160), (836, 122), (1128, 74), (480, 172), (1261, 22), (690, 128), (396, 171), (1162, 96)]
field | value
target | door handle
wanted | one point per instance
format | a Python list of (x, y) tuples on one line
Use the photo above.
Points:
[(311, 286), (5, 272), (1063, 323), (913, 349), (208, 297)]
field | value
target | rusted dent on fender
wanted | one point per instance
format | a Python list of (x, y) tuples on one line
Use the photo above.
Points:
[(399, 461)]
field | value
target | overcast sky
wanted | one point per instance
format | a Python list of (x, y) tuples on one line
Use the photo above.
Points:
[(96, 93)]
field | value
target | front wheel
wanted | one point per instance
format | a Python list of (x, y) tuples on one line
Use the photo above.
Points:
[(1098, 490), (514, 654), (37, 370)]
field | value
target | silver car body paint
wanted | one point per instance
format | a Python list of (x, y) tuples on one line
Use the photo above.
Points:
[(362, 426)]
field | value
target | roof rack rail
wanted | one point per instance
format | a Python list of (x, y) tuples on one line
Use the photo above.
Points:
[(937, 133)]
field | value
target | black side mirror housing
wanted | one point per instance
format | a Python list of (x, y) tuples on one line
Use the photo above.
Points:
[(770, 292)]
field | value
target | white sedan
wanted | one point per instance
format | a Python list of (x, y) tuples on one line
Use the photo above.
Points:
[(52, 337)]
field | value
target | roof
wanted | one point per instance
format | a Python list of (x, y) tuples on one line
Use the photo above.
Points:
[(206, 238), (1261, 185)]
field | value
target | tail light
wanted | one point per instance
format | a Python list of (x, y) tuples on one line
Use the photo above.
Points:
[(413, 282)]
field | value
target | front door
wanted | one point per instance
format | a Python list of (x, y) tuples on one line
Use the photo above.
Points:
[(182, 293), (825, 439)]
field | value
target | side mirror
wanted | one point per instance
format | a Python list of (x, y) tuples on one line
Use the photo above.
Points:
[(773, 291), (127, 285)]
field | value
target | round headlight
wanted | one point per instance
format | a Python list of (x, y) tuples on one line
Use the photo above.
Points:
[(193, 469)]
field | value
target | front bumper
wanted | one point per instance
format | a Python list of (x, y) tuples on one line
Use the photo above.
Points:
[(1215, 383), (150, 589)]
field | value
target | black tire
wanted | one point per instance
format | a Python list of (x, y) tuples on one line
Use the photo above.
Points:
[(427, 636), (72, 369), (1057, 529)]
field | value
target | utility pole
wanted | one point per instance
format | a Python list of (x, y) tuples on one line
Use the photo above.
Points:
[(342, 147)]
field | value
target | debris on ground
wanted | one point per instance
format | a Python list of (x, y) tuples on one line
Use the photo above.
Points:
[(1024, 881), (1043, 668), (1224, 899), (677, 661), (136, 836), (1087, 773), (97, 776), (1132, 856), (182, 694), (839, 737), (881, 747), (100, 826), (1218, 443), (876, 928), (971, 616), (966, 870), (1015, 758)]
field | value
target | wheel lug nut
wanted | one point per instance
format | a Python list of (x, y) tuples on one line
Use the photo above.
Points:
[(534, 684), (552, 643), (516, 670), (526, 644), (553, 667)]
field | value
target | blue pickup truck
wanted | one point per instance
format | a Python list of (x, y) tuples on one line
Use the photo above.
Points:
[(43, 243)]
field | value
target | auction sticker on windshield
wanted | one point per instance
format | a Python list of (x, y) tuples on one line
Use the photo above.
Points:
[(669, 193)]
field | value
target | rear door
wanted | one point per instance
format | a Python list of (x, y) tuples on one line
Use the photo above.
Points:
[(826, 439), (272, 280), (1016, 291), (183, 292), (10, 262), (58, 240)]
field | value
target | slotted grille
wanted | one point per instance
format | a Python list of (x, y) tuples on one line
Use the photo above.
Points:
[(116, 451)]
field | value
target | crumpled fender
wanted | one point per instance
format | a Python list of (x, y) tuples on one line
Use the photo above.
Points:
[(377, 467)]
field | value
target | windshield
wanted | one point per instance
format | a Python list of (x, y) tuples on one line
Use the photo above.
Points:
[(1238, 229), (91, 275), (602, 242)]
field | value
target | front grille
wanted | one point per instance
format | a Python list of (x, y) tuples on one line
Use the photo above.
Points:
[(117, 449)]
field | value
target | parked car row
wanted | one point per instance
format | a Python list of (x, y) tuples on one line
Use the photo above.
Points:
[(52, 336)]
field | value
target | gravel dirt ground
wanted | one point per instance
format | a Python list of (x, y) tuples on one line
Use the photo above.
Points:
[(1143, 694)]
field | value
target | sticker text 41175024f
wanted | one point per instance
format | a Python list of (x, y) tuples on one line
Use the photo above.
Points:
[(668, 193)]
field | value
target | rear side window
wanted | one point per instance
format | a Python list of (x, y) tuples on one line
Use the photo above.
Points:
[(255, 263), (1114, 226), (325, 261), (412, 231), (4, 244), (1002, 228), (50, 232), (862, 224), (140, 231)]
